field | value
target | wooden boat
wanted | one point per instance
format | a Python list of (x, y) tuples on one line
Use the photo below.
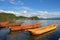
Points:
[(37, 37), (37, 31), (35, 25), (3, 24), (7, 24)]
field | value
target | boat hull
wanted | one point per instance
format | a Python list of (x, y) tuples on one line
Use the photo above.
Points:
[(14, 28), (3, 24), (38, 31), (7, 24)]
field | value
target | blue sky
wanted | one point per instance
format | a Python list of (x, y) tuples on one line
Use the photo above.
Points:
[(40, 8)]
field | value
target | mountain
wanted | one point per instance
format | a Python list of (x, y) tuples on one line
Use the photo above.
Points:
[(11, 16), (7, 16)]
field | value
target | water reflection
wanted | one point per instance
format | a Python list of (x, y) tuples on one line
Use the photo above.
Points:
[(4, 33), (18, 35)]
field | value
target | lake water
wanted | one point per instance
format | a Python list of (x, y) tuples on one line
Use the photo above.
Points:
[(52, 35)]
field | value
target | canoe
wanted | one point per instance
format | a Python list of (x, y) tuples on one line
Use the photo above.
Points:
[(35, 25), (3, 24), (37, 37), (7, 24), (42, 30), (31, 26)]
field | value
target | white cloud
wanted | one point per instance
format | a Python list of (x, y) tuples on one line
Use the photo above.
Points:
[(43, 14), (2, 11), (46, 14), (20, 2), (16, 13), (27, 8), (23, 8), (42, 11), (7, 11), (25, 11), (16, 2), (12, 2)]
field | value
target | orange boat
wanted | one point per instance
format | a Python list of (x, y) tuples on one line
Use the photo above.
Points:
[(7, 24), (3, 24), (35, 25)]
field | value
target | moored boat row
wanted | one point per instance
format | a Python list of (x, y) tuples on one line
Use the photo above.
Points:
[(34, 29)]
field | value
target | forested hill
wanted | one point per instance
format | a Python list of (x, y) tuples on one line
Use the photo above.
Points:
[(11, 16), (7, 16)]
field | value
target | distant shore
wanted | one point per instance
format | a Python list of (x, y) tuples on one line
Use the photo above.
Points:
[(11, 16)]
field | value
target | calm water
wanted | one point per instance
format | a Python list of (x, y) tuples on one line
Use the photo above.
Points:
[(52, 35)]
